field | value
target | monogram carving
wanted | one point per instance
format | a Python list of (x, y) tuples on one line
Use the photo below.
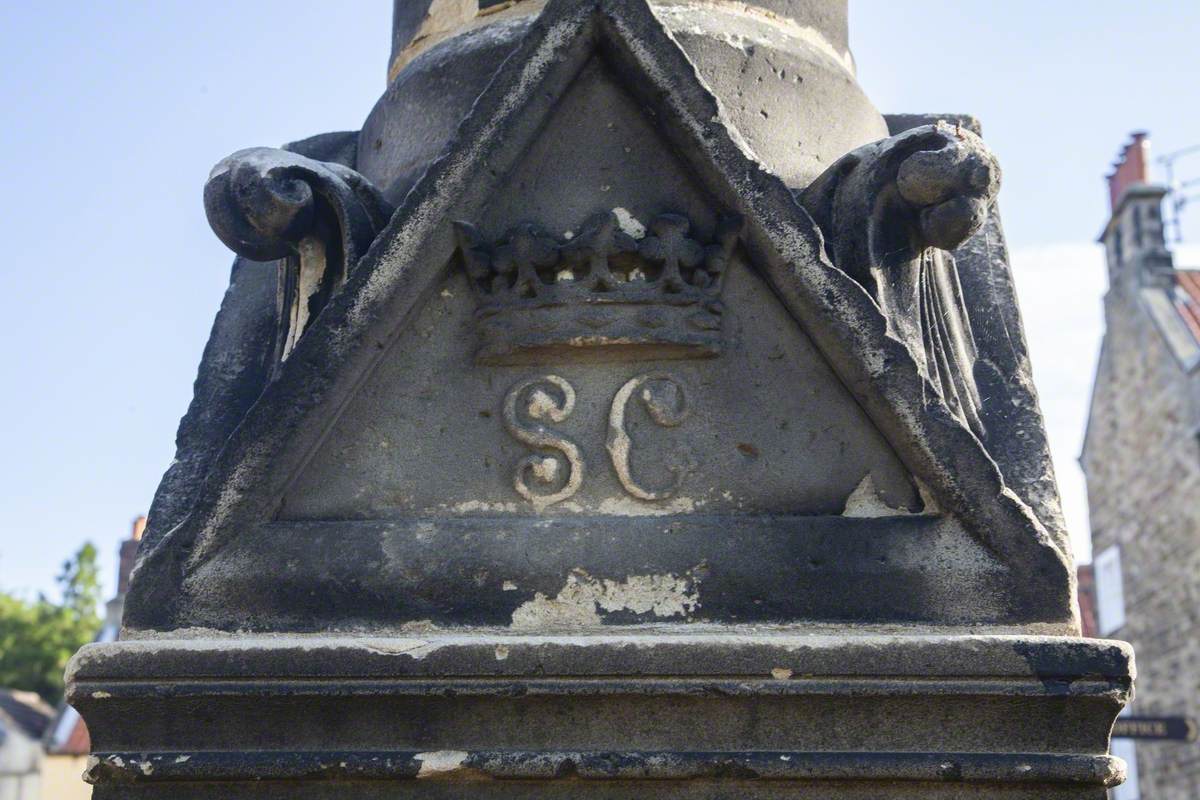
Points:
[(550, 398), (665, 402), (532, 403)]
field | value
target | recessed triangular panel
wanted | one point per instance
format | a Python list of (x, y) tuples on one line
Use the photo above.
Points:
[(768, 374), (765, 425)]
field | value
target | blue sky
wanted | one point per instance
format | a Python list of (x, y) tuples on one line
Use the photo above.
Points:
[(115, 112)]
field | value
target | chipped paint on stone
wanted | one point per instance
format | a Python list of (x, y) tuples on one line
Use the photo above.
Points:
[(419, 626), (929, 503), (449, 18), (413, 648), (476, 506), (866, 502), (629, 224), (629, 507), (581, 602), (438, 763), (764, 28), (625, 506)]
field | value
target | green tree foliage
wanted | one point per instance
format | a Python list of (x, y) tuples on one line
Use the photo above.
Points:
[(37, 638)]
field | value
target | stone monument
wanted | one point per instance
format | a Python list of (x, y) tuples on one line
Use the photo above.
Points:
[(627, 410)]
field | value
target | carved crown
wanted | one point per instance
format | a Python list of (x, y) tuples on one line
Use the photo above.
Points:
[(611, 291)]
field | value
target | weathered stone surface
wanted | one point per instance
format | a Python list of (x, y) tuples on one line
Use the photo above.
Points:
[(236, 365), (608, 468), (890, 212), (781, 69), (591, 62), (1002, 368), (785, 714)]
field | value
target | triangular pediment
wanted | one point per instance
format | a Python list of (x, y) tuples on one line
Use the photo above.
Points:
[(410, 288), (764, 425)]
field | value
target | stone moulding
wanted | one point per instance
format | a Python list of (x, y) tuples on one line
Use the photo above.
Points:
[(609, 766), (405, 262), (745, 568), (923, 716)]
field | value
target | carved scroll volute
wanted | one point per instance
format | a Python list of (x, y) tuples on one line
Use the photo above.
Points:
[(318, 217), (547, 398), (890, 213), (666, 403)]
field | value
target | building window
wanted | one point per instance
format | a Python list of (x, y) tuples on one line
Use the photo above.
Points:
[(1110, 590)]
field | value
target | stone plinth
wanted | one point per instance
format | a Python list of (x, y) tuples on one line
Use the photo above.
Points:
[(671, 434), (665, 712)]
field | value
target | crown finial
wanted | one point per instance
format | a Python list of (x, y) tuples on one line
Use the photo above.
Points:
[(633, 291)]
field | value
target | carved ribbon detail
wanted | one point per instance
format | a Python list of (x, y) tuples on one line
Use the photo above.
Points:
[(665, 402), (549, 398)]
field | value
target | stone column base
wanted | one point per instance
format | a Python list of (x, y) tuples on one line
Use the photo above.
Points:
[(686, 712)]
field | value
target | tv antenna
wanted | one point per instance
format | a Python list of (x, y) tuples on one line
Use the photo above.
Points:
[(1179, 192)]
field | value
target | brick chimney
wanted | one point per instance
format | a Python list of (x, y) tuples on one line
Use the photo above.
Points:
[(128, 554), (1133, 238), (127, 557), (1085, 588), (1131, 167)]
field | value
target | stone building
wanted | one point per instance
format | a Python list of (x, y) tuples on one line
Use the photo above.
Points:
[(1141, 456), (23, 719)]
